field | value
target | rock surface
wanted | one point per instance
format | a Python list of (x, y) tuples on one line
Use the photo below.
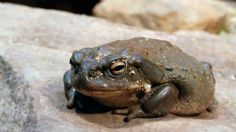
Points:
[(35, 46), (165, 15)]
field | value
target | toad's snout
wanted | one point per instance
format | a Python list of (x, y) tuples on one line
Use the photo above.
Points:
[(85, 75)]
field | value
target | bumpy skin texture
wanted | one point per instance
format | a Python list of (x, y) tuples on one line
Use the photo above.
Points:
[(139, 77)]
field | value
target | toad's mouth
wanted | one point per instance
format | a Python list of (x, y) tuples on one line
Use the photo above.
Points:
[(111, 92), (106, 94)]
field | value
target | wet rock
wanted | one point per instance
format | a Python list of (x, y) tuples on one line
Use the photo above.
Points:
[(165, 15), (35, 46)]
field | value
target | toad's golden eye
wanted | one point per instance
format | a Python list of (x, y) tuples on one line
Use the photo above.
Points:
[(118, 68)]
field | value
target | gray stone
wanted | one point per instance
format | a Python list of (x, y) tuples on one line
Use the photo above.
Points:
[(35, 46), (165, 15)]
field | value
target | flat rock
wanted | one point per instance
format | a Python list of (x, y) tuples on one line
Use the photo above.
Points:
[(35, 47), (165, 15)]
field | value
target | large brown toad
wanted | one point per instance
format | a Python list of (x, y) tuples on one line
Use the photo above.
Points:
[(139, 77)]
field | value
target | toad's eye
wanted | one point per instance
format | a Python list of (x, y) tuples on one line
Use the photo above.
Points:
[(118, 68)]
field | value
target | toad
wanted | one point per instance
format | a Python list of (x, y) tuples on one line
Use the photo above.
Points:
[(139, 78)]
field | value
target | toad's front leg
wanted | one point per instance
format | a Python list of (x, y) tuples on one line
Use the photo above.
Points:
[(157, 103), (70, 92)]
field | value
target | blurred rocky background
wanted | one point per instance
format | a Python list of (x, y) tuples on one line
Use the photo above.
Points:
[(171, 16), (215, 16), (36, 41)]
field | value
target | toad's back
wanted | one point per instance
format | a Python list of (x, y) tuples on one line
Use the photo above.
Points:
[(194, 80)]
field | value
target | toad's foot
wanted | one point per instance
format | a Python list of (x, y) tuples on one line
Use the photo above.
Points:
[(132, 112)]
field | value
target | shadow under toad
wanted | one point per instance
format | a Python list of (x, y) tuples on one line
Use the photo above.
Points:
[(116, 121), (109, 120)]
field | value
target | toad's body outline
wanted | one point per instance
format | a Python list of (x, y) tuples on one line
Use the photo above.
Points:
[(146, 77)]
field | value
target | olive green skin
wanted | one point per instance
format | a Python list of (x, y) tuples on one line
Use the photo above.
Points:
[(158, 79)]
